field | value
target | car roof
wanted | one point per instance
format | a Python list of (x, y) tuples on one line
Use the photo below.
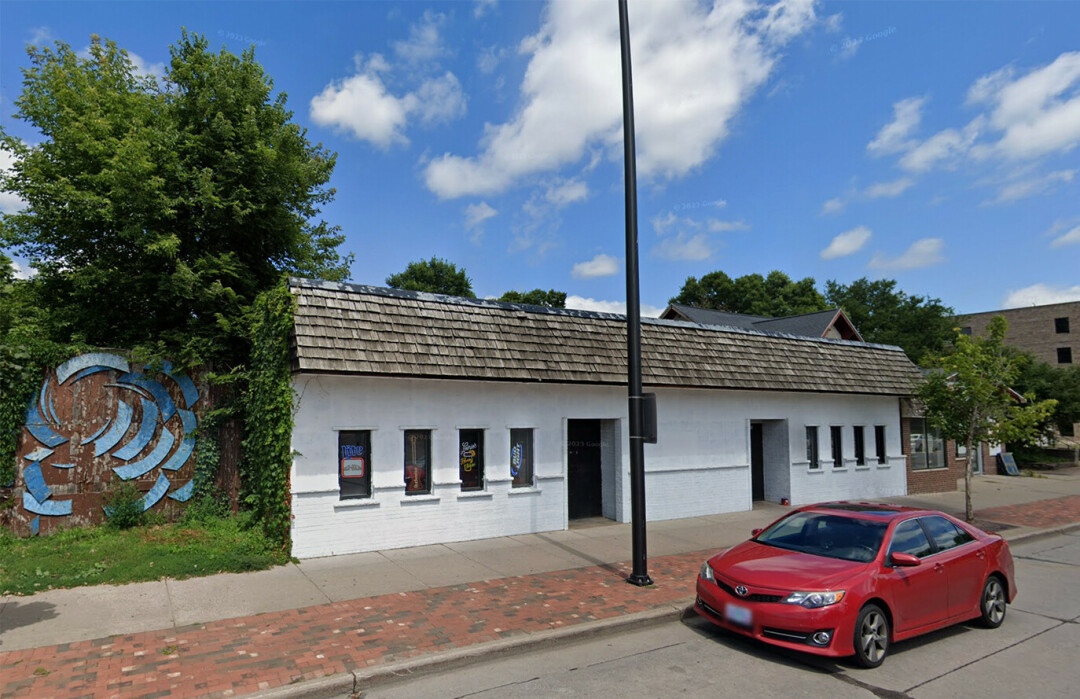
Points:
[(869, 510)]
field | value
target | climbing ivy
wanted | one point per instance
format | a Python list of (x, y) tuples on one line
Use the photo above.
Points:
[(268, 405), (23, 362)]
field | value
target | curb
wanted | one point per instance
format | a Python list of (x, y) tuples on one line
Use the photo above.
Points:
[(358, 680), (1043, 533)]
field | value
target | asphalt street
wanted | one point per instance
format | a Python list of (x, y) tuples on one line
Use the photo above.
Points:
[(1033, 654)]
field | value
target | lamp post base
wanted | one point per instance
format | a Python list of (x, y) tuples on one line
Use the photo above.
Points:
[(639, 580)]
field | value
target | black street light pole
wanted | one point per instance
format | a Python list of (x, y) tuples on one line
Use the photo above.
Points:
[(640, 574)]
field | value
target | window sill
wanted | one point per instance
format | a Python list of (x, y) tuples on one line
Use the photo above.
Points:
[(419, 498), (817, 470), (475, 495), (533, 490), (355, 503), (864, 467)]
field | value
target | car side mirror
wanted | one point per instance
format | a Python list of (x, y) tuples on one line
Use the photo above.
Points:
[(755, 532), (903, 560)]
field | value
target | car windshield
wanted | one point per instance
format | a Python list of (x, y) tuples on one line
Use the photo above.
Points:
[(831, 535)]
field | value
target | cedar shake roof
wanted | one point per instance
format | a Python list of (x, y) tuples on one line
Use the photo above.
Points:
[(374, 331)]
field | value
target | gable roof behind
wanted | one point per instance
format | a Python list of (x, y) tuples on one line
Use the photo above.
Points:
[(373, 331), (817, 324)]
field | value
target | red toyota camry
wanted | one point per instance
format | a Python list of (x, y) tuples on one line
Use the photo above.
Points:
[(843, 578)]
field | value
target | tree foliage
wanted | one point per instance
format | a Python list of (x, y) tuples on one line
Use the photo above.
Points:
[(1046, 381), (156, 212), (968, 399), (537, 297), (774, 296), (436, 276), (920, 325)]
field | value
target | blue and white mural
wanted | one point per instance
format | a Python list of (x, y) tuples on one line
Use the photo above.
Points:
[(141, 421)]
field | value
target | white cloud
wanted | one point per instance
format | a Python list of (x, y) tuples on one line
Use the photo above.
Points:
[(1032, 187), (9, 201), (1025, 116), (488, 59), (363, 106), (716, 226), (682, 239), (1040, 295), (582, 303), (482, 7), (1064, 233), (599, 266), (21, 272), (425, 41), (922, 253), (833, 206), (156, 70), (895, 188), (39, 36), (564, 192), (846, 243), (896, 135), (476, 214), (437, 100), (694, 68)]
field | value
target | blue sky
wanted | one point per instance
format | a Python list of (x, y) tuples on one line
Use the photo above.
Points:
[(934, 143)]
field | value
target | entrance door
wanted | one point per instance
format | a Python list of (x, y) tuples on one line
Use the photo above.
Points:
[(757, 462), (583, 469)]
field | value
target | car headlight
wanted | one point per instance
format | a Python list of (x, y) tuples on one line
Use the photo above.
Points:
[(706, 572), (814, 600)]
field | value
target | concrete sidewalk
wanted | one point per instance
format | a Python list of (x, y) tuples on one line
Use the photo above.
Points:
[(404, 609)]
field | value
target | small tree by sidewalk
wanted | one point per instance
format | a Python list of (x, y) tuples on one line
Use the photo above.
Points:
[(969, 399)]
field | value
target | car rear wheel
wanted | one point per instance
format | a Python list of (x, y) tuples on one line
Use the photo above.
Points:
[(993, 603), (871, 636)]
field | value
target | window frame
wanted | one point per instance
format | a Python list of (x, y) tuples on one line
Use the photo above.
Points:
[(1061, 326), (477, 459), (1064, 355), (813, 447), (880, 444), (925, 520), (836, 445), (858, 435), (914, 522), (931, 437), (354, 487), (424, 467), (525, 477)]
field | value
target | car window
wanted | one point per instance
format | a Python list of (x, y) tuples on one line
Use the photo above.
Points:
[(821, 534), (909, 537), (945, 534)]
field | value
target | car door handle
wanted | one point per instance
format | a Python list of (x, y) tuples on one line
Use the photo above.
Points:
[(939, 568), (981, 554)]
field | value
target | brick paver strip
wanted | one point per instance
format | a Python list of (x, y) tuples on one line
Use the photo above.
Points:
[(250, 654), (1042, 513)]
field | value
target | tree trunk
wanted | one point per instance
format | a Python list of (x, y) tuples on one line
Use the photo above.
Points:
[(969, 510)]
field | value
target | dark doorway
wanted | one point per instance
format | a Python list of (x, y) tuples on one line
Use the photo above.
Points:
[(583, 469), (757, 462)]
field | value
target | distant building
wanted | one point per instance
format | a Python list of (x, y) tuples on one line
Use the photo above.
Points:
[(1051, 333), (832, 324), (423, 419)]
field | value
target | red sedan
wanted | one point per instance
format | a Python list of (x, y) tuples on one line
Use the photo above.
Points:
[(842, 579)]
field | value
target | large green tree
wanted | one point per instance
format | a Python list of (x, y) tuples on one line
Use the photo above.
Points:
[(157, 211), (1046, 381), (436, 276), (920, 325), (968, 398), (537, 297), (774, 296)]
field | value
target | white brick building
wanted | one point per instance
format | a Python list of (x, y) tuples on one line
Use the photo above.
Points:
[(423, 419)]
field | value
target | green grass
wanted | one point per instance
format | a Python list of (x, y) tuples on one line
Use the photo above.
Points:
[(105, 555)]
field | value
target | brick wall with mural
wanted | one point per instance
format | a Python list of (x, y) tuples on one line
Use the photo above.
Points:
[(99, 420)]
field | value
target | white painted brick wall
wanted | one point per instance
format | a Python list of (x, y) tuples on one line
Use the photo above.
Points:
[(699, 466)]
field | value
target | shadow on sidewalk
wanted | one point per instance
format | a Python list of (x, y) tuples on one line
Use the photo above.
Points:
[(15, 614)]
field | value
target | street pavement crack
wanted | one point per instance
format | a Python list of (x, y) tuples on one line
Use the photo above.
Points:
[(633, 655), (317, 586), (499, 686), (876, 691), (1047, 560), (986, 657)]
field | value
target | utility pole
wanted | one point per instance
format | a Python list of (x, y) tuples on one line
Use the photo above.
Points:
[(640, 574)]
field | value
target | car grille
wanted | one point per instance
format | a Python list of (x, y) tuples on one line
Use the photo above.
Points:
[(755, 597)]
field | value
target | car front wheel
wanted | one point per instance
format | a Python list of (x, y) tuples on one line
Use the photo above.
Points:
[(871, 636), (993, 603)]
